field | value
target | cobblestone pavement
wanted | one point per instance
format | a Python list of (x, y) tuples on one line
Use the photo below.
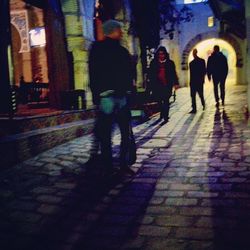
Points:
[(191, 189)]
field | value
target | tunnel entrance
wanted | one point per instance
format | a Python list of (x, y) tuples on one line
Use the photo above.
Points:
[(205, 48)]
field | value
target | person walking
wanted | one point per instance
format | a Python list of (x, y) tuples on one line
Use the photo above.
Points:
[(197, 69), (111, 78), (162, 79), (217, 67)]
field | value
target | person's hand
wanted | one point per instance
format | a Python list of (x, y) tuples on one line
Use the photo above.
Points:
[(176, 87)]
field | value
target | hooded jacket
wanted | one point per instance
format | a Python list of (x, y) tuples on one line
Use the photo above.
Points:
[(170, 74)]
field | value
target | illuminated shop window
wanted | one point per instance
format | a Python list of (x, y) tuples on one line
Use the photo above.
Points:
[(194, 1), (37, 37), (210, 21)]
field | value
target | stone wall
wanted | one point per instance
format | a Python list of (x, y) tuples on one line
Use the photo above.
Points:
[(76, 43), (185, 33), (247, 9), (189, 34), (79, 32), (129, 41)]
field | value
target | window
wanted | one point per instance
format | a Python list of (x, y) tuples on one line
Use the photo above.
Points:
[(210, 21), (37, 37)]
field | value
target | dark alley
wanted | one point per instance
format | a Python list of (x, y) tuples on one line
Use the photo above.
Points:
[(190, 191)]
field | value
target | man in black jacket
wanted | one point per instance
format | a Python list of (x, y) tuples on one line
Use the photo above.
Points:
[(197, 69), (217, 67), (111, 78)]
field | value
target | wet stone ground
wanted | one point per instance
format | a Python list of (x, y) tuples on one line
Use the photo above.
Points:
[(191, 189)]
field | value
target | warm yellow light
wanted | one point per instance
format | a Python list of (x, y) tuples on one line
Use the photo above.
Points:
[(205, 48), (97, 4), (210, 21)]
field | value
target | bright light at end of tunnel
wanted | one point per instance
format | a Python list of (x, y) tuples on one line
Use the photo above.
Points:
[(205, 48)]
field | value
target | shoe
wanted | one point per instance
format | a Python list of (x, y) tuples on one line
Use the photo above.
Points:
[(192, 111), (223, 104), (90, 161), (164, 122), (108, 173), (127, 170), (91, 164), (204, 107), (217, 104)]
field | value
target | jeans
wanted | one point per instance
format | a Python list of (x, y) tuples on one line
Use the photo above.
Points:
[(112, 109)]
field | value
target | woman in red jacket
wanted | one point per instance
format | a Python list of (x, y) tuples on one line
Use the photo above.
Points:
[(163, 77)]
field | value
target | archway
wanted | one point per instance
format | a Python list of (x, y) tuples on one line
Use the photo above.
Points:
[(205, 49), (231, 40), (210, 35)]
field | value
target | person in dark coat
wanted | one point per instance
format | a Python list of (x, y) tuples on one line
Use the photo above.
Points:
[(197, 69), (162, 79), (217, 67), (111, 78), (22, 93)]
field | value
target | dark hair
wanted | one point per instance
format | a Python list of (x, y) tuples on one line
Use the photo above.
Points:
[(216, 48), (162, 49)]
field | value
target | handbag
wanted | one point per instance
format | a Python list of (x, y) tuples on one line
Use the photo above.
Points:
[(131, 155)]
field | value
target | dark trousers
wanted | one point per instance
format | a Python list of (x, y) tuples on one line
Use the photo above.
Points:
[(96, 137), (121, 115), (199, 90), (219, 82), (164, 94)]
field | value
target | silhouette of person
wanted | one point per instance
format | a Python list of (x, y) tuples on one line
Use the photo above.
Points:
[(162, 78), (197, 69), (217, 67), (23, 94), (111, 78)]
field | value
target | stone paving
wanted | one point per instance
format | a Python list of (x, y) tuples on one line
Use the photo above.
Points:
[(191, 189)]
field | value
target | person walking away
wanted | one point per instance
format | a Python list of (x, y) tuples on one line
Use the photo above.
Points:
[(162, 78), (111, 78), (197, 69), (217, 67)]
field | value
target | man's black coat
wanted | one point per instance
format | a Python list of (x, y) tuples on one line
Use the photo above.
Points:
[(110, 68), (197, 72)]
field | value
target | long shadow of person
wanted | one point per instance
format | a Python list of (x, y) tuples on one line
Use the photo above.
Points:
[(230, 187), (121, 220)]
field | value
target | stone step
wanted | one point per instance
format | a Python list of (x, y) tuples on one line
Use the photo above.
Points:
[(23, 138), (19, 147), (23, 124)]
